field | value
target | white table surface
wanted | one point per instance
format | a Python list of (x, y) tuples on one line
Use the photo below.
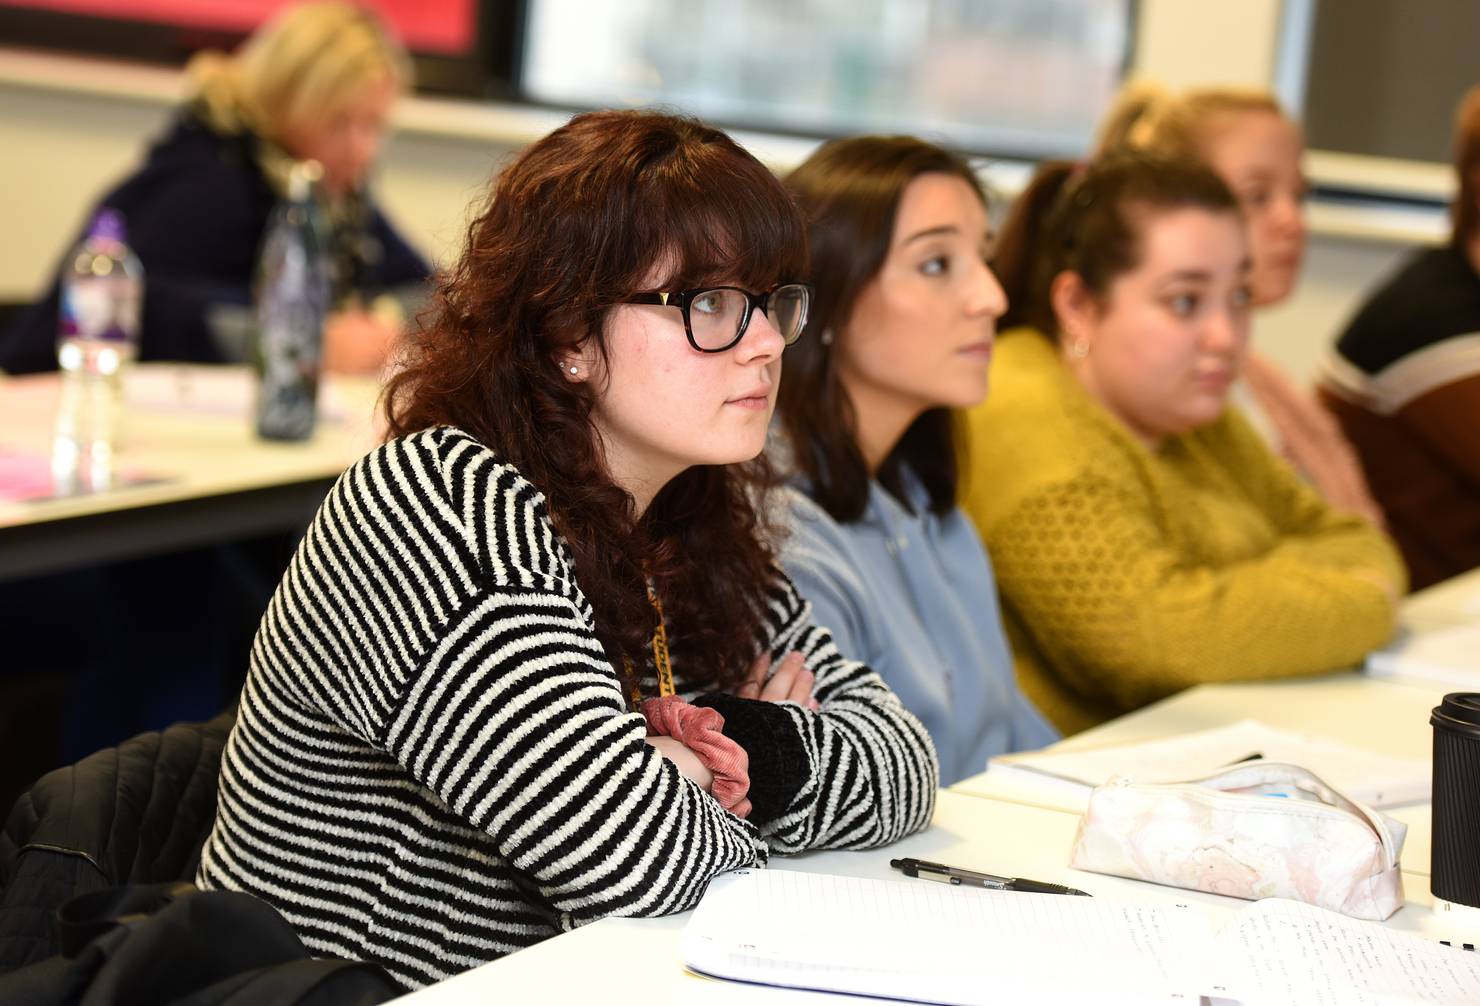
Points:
[(1454, 602), (637, 961), (1018, 829), (189, 429)]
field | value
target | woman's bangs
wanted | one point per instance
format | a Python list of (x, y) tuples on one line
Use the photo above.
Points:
[(742, 231)]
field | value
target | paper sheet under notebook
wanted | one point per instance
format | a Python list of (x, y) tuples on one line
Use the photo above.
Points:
[(1288, 952), (924, 942), (1373, 779)]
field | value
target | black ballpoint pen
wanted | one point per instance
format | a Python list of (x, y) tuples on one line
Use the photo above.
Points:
[(925, 870)]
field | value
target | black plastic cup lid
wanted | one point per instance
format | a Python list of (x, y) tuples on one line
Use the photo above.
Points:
[(1460, 712)]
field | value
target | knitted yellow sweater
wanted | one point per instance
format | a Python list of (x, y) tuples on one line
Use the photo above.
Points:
[(1128, 574)]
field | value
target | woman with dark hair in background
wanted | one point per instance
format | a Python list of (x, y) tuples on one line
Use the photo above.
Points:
[(1145, 538), (900, 334), (493, 697), (1405, 383)]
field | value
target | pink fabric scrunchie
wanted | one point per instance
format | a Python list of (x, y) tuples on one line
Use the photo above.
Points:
[(698, 729)]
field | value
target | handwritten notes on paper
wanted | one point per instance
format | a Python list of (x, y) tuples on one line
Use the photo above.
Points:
[(925, 942)]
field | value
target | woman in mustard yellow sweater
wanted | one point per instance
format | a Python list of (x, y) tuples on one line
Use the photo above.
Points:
[(1145, 539)]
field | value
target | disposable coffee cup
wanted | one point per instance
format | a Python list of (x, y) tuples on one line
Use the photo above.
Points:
[(1454, 873)]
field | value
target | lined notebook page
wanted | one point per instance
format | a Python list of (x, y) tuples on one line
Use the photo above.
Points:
[(928, 942), (1289, 951)]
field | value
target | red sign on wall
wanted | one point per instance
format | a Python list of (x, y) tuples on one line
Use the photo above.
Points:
[(442, 27)]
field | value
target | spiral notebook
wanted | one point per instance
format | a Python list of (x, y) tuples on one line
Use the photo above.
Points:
[(929, 943)]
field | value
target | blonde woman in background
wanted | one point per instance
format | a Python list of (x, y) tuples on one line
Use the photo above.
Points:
[(316, 82), (1248, 140)]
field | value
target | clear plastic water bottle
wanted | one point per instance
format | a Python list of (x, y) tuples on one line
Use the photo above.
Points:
[(293, 289), (102, 294)]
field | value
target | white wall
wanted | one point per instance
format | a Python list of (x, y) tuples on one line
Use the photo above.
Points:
[(68, 128), (1187, 42), (58, 151)]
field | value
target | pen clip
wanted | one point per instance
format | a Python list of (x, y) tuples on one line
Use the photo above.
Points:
[(923, 869), (912, 867), (928, 871)]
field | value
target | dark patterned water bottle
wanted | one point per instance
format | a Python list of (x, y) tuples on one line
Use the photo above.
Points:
[(292, 302)]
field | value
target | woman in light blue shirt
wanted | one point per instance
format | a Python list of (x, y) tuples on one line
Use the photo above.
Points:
[(899, 334)]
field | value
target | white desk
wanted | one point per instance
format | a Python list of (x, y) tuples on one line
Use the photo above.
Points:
[(216, 480), (1454, 602), (636, 961), (1013, 828)]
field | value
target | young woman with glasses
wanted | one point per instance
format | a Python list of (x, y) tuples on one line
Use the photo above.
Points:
[(494, 696), (901, 333)]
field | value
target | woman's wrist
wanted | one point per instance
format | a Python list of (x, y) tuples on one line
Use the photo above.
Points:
[(779, 767), (700, 734), (686, 761)]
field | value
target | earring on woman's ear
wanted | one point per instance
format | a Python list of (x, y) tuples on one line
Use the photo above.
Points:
[(827, 337), (1079, 349), (574, 369)]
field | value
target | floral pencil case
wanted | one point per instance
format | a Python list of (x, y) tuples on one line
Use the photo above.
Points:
[(1257, 830)]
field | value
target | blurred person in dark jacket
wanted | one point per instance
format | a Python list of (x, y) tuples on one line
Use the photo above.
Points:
[(315, 83), (166, 636), (1404, 381)]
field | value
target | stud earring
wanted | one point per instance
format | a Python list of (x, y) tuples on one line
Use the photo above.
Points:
[(573, 369), (1080, 349), (827, 337)]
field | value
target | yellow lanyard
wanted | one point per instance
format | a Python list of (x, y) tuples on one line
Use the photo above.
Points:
[(660, 657)]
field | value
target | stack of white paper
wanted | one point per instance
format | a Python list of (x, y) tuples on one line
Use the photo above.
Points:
[(1373, 779), (1447, 657)]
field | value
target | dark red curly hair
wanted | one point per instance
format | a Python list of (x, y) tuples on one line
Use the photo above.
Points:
[(571, 228)]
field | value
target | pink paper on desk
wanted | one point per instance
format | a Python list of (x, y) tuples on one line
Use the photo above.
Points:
[(27, 478), (24, 476)]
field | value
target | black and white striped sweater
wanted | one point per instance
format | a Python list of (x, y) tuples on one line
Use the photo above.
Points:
[(434, 764)]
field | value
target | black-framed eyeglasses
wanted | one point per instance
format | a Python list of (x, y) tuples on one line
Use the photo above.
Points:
[(715, 317)]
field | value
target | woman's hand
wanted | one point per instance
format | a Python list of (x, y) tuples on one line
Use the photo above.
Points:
[(357, 342), (791, 682), (688, 763)]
